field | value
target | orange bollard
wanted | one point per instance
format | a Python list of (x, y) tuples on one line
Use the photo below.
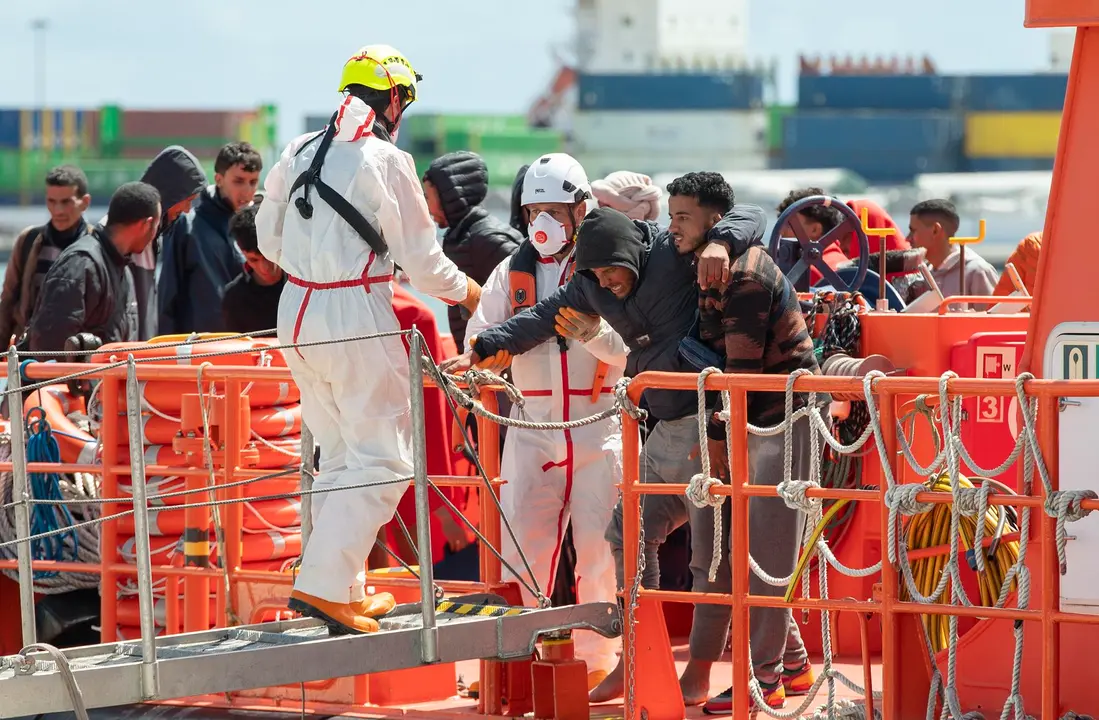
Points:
[(560, 680)]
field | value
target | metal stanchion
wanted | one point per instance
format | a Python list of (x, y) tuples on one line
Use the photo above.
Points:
[(308, 454), (149, 681), (429, 634), (20, 493)]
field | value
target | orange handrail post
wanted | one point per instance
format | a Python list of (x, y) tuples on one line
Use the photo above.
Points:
[(891, 636), (1051, 567), (738, 534), (108, 532)]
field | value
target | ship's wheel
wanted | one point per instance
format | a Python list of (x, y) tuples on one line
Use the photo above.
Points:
[(812, 251)]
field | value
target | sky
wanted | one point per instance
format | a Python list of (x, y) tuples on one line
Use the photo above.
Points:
[(477, 56)]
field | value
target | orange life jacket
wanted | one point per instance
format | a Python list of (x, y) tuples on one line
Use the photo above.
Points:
[(524, 294)]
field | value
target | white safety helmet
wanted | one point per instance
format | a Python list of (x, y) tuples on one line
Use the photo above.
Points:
[(555, 178)]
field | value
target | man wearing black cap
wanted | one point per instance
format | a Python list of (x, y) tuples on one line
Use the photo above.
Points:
[(632, 274)]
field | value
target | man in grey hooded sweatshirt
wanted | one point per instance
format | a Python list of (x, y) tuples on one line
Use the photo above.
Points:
[(179, 178)]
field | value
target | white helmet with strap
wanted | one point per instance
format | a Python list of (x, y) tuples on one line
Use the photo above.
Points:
[(555, 178)]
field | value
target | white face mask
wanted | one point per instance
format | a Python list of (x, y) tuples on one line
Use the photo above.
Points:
[(547, 235)]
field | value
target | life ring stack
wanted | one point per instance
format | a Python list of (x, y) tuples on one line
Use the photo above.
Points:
[(271, 529)]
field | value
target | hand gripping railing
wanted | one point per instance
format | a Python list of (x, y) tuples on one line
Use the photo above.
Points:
[(1039, 400)]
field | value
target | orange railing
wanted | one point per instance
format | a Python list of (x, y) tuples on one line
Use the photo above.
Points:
[(655, 691), (192, 585)]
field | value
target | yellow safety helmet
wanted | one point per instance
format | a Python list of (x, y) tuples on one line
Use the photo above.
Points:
[(382, 68)]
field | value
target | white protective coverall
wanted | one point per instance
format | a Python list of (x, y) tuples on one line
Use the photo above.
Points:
[(552, 475), (354, 395)]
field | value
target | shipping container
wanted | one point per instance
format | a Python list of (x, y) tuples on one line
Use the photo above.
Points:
[(671, 131), (879, 168), (776, 115), (527, 142), (316, 123), (10, 132), (883, 147), (672, 91), (1016, 93), (1009, 164), (651, 163), (1008, 135), (182, 123), (882, 92), (10, 160)]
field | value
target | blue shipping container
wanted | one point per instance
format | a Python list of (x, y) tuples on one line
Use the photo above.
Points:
[(917, 133), (9, 129), (882, 92), (882, 147), (672, 91), (1016, 93), (1009, 164)]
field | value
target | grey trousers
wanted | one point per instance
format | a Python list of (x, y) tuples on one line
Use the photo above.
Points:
[(775, 533)]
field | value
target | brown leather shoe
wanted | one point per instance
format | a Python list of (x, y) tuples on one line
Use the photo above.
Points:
[(374, 606), (342, 619)]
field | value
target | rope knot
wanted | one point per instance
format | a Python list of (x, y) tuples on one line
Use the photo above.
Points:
[(1065, 507), (793, 493), (698, 491), (902, 499), (973, 502), (621, 395), (1066, 504)]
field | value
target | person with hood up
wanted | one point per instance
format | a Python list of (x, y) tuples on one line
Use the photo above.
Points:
[(179, 177), (340, 208), (572, 474), (89, 289), (628, 192), (455, 185), (200, 258), (638, 278)]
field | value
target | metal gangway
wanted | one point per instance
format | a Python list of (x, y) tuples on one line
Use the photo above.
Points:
[(43, 679)]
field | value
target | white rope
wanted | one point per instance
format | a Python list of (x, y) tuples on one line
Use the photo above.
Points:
[(698, 489)]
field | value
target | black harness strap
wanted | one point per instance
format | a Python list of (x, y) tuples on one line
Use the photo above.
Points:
[(343, 208)]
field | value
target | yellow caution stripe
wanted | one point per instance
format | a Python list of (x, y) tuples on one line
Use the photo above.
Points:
[(481, 610)]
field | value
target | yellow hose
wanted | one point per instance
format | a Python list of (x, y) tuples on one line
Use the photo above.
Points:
[(932, 529), (812, 546)]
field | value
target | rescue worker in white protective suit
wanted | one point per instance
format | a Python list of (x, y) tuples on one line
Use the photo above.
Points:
[(554, 475), (341, 207)]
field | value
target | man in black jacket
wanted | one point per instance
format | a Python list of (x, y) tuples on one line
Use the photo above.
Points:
[(455, 185), (632, 274), (89, 289), (251, 300)]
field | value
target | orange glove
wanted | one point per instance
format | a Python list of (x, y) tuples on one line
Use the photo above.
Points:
[(473, 295)]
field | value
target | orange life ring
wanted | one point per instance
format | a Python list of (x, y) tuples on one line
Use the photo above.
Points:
[(129, 613), (76, 445), (174, 483), (167, 396), (260, 515), (269, 458), (269, 422), (255, 547), (241, 352)]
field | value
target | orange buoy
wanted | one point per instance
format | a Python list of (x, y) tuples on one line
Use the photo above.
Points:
[(256, 352), (260, 515), (271, 422), (76, 445), (174, 484)]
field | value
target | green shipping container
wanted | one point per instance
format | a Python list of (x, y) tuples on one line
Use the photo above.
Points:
[(776, 114)]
